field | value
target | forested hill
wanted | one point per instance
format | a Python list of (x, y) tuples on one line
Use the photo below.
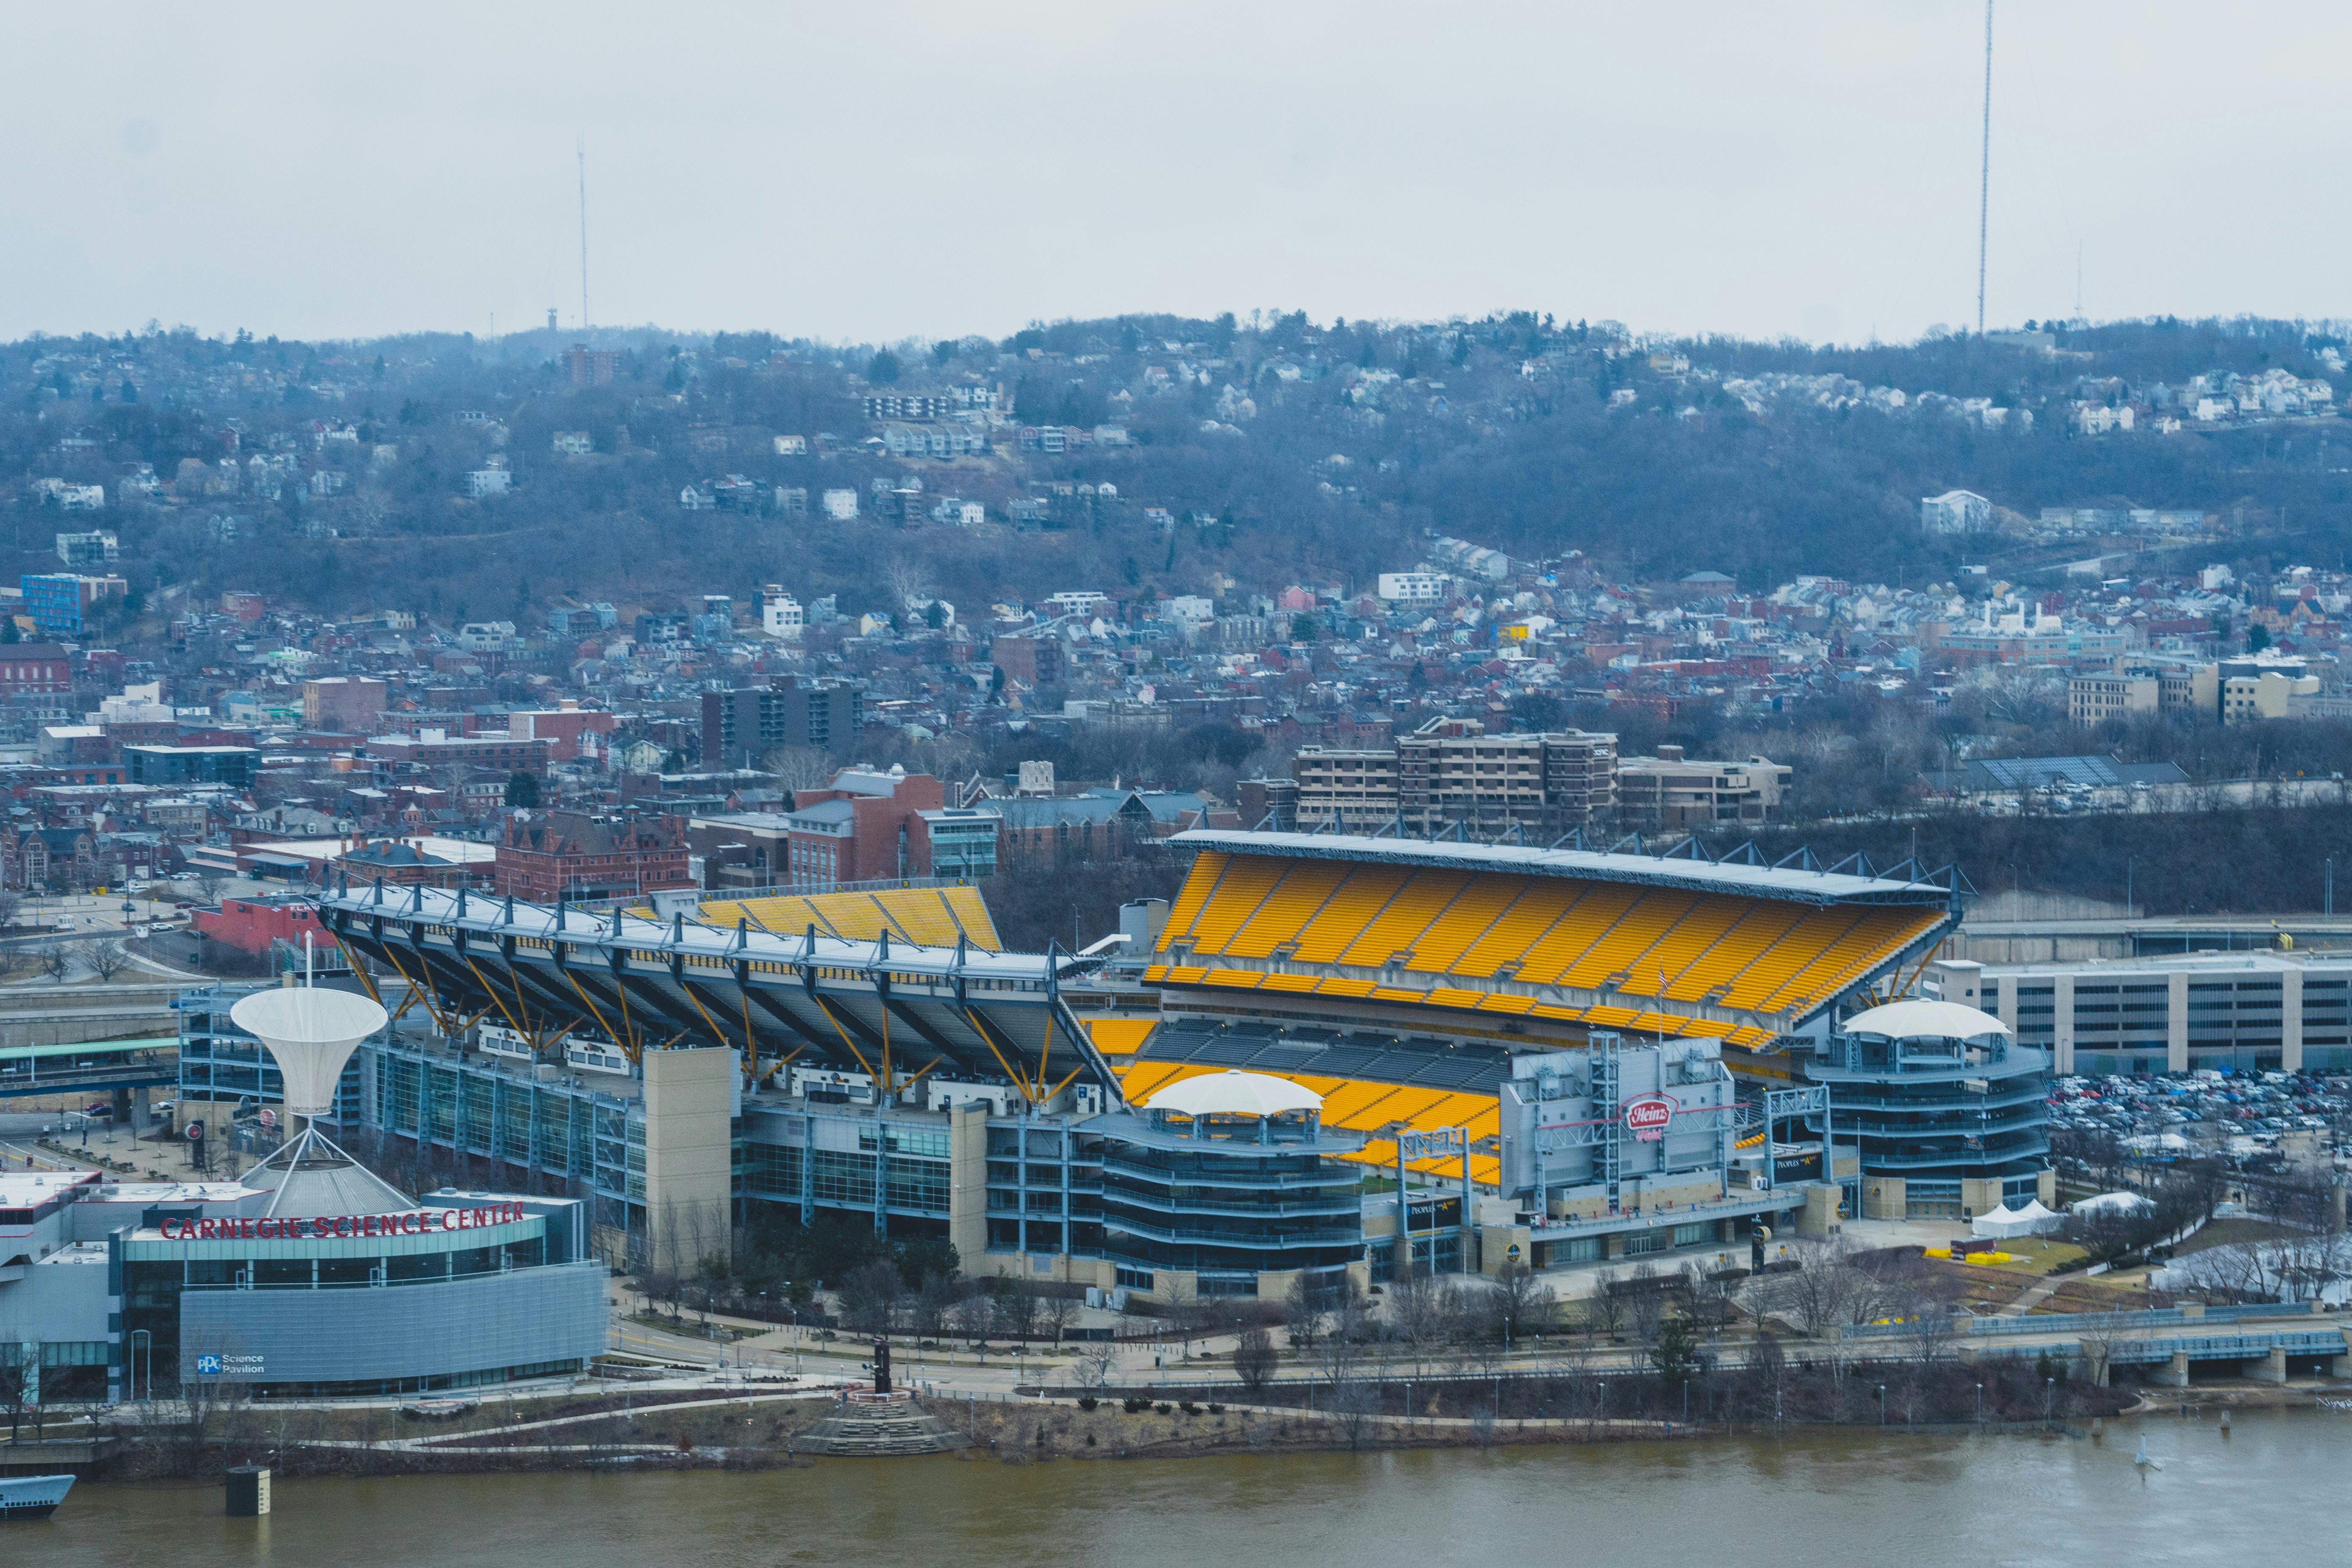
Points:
[(1241, 454)]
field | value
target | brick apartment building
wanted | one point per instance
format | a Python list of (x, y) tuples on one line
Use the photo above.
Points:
[(504, 754), (573, 855), (346, 704), (571, 731), (30, 668), (739, 727), (1032, 660)]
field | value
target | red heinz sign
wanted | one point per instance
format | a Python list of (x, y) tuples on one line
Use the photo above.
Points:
[(1646, 1118), (413, 1222)]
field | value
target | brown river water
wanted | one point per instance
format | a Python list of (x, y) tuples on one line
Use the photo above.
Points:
[(2273, 1490)]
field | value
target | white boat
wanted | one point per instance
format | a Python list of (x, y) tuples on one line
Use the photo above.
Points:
[(32, 1497)]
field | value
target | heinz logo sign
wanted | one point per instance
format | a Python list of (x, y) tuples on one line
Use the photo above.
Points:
[(1646, 1118)]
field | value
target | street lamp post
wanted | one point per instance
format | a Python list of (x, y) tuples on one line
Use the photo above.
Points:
[(1881, 1405), (1979, 1403)]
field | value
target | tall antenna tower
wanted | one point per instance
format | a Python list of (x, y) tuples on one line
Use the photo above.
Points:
[(1984, 172), (2079, 318), (583, 149)]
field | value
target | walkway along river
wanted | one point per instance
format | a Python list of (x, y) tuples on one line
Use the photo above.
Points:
[(2267, 1490)]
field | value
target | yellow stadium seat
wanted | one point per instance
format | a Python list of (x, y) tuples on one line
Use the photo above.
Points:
[(1620, 951), (1344, 915), (1303, 890), (1798, 948), (1400, 922), (1207, 867), (1682, 945), (1120, 1036), (1759, 929), (1403, 1106), (1577, 931), (1538, 908), (1239, 892), (1469, 918)]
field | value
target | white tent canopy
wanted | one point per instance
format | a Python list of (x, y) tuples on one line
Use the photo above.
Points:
[(2005, 1222), (2115, 1203), (1235, 1093), (1920, 1018)]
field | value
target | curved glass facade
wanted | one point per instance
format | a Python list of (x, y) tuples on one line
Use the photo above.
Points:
[(1937, 1110), (1227, 1198)]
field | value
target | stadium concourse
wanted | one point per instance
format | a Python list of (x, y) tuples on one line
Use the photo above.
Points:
[(1501, 1052)]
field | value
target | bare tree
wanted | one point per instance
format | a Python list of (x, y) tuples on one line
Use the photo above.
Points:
[(1309, 1308), (869, 1297), (1253, 1359), (12, 904), (1097, 1361), (1520, 1303), (1605, 1308), (106, 959), (1056, 1310), (933, 1301), (1425, 1312), (1015, 1303), (18, 1375), (797, 768), (1182, 1301), (54, 961), (974, 1313)]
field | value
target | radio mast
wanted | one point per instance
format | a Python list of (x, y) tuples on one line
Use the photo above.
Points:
[(582, 147), (1984, 174)]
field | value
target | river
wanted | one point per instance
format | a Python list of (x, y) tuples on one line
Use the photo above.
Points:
[(2269, 1490)]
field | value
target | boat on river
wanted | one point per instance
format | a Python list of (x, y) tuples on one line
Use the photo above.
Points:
[(32, 1497)]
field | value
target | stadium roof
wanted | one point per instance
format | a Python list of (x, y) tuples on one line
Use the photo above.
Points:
[(1792, 883)]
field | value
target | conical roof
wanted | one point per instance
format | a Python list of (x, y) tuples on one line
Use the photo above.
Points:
[(311, 1177)]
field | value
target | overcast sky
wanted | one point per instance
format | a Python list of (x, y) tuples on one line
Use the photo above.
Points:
[(880, 170)]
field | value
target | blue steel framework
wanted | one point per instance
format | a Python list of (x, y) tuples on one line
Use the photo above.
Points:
[(873, 1008)]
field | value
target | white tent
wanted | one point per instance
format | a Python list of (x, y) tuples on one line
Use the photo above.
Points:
[(2113, 1202), (2005, 1222)]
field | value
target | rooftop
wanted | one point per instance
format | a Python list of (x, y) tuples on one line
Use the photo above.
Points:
[(1796, 884)]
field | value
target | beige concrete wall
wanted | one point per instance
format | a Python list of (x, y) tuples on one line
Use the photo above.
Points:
[(1980, 1195), (1884, 1197), (968, 1185), (1819, 1218), (1274, 1284), (1497, 1244), (689, 1179)]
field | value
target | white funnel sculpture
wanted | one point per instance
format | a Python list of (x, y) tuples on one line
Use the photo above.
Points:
[(312, 1034)]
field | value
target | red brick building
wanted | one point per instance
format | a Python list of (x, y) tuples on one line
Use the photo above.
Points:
[(572, 731), (349, 704), (438, 749), (572, 855), (866, 827), (33, 667), (251, 925)]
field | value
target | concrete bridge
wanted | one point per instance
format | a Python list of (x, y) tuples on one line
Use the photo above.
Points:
[(2261, 1354)]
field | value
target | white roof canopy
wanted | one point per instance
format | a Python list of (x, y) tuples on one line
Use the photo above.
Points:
[(1919, 1019), (1235, 1093)]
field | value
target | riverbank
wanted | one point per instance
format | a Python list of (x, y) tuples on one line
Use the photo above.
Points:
[(748, 1429)]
